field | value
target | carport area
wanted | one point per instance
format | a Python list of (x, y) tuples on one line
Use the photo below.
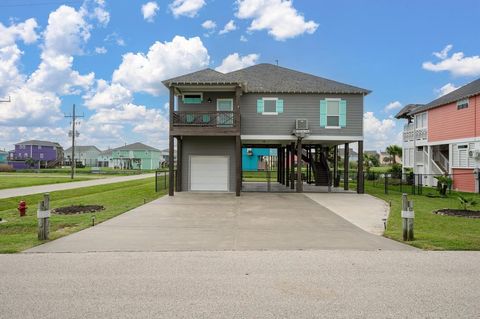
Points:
[(222, 221)]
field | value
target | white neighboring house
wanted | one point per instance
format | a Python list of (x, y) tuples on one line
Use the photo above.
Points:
[(87, 155), (105, 158)]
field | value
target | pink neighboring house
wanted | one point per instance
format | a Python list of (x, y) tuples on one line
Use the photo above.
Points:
[(443, 137)]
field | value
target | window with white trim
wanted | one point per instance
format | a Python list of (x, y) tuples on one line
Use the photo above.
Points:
[(192, 98), (41, 155), (333, 113), (462, 104)]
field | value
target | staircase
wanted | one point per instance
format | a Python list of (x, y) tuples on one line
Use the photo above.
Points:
[(320, 168)]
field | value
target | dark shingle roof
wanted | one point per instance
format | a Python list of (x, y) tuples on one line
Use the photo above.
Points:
[(136, 147), (268, 78), (263, 78), (82, 148), (206, 76), (471, 89), (38, 142), (406, 110)]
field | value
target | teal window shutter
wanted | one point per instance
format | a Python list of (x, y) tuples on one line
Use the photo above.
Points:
[(279, 106), (260, 106), (343, 113), (206, 118), (190, 118), (323, 113)]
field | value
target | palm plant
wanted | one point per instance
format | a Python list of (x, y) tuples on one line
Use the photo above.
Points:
[(466, 202), (394, 151), (444, 182)]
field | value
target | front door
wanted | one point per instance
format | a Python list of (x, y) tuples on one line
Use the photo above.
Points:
[(225, 119)]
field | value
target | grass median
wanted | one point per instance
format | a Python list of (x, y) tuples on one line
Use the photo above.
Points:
[(20, 233), (22, 180)]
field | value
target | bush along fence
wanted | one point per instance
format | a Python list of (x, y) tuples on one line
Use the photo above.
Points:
[(409, 183)]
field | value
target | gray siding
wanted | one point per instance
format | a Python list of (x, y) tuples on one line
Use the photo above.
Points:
[(299, 106), (207, 146), (205, 106)]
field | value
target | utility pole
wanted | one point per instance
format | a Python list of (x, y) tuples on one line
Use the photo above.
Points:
[(74, 134)]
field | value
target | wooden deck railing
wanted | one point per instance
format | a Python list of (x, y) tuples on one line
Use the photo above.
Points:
[(220, 119)]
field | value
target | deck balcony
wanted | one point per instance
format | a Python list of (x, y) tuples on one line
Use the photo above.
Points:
[(206, 123)]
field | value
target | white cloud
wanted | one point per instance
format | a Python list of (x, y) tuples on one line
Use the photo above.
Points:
[(188, 8), (444, 53), (149, 10), (95, 10), (235, 62), (447, 88), (457, 63), (108, 96), (114, 37), (209, 24), (379, 133), (141, 72), (243, 38), (65, 35), (279, 17), (30, 108), (24, 31), (10, 77), (392, 106), (101, 50), (230, 26)]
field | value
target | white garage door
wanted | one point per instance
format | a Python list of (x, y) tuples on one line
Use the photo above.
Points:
[(209, 173)]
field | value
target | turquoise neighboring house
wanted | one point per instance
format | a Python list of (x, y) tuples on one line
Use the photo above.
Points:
[(257, 159), (3, 157), (136, 156)]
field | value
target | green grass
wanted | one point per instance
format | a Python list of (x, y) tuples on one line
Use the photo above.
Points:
[(85, 170), (258, 176), (23, 180), (380, 169), (432, 232), (20, 233)]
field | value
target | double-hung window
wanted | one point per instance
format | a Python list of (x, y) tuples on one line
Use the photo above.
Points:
[(269, 106), (333, 113), (462, 104)]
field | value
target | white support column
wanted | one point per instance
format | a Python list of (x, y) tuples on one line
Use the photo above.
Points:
[(429, 165), (450, 158)]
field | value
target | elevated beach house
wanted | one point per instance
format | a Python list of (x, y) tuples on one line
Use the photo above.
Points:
[(136, 156), (43, 153), (442, 137), (214, 115), (86, 155)]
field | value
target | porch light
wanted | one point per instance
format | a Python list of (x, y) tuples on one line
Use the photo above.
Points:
[(209, 100)]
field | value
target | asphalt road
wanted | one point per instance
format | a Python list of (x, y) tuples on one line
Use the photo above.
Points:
[(255, 284)]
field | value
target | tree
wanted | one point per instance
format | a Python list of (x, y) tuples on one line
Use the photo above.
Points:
[(394, 151)]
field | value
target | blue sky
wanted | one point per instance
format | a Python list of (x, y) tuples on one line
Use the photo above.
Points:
[(109, 57)]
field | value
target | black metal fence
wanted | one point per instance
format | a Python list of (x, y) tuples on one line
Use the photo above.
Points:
[(414, 184), (161, 180)]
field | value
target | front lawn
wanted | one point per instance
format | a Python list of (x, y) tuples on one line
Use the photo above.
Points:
[(432, 232), (259, 176), (13, 180), (20, 233)]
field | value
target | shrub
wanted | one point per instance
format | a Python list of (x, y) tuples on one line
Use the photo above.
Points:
[(444, 182), (396, 170)]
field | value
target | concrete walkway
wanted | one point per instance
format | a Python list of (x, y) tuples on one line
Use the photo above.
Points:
[(206, 222), (23, 191), (364, 211), (251, 284)]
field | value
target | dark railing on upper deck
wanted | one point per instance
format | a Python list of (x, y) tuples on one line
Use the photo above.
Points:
[(221, 119)]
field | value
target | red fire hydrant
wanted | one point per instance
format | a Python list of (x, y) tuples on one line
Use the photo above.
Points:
[(22, 208)]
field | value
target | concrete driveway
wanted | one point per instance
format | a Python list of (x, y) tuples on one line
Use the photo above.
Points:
[(200, 221)]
